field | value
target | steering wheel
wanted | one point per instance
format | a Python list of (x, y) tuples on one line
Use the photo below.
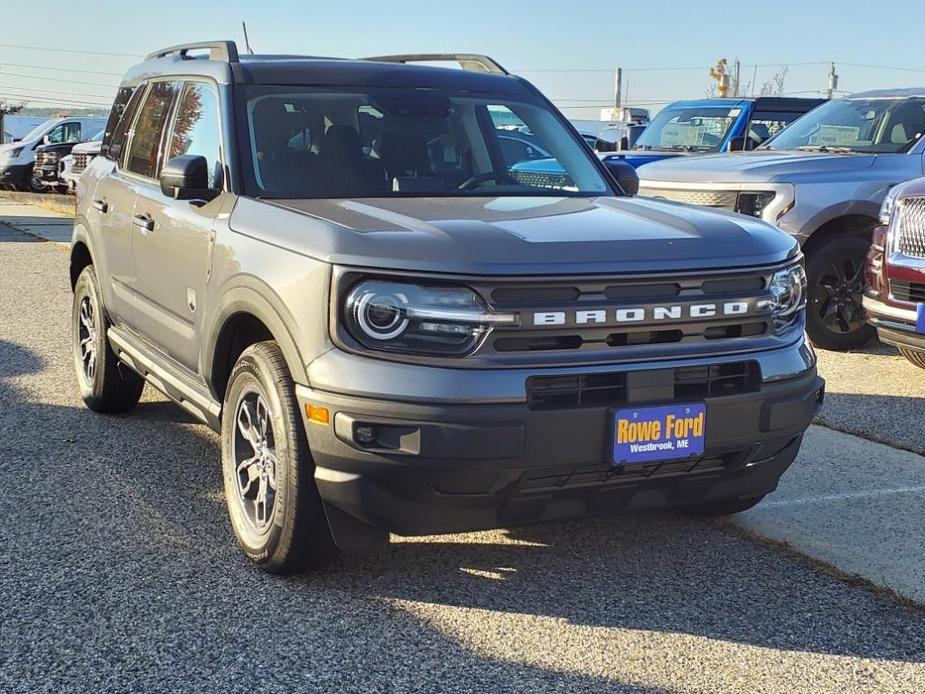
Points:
[(474, 182)]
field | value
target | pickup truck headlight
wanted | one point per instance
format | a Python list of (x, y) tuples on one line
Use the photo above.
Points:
[(753, 204), (889, 203), (787, 288), (418, 319)]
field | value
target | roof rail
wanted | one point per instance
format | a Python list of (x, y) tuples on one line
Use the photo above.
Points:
[(226, 51), (467, 61)]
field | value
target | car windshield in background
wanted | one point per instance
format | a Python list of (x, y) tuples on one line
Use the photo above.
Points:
[(875, 126), (700, 129), (306, 143)]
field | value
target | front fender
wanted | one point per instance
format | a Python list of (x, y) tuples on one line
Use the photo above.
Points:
[(254, 297)]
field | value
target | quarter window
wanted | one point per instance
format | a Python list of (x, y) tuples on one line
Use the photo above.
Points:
[(196, 131), (125, 103), (144, 147)]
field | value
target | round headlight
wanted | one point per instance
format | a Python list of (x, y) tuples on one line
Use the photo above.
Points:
[(417, 319), (787, 289)]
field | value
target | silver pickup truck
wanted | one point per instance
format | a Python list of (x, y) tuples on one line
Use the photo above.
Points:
[(822, 180)]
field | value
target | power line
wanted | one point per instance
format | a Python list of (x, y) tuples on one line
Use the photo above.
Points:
[(4, 73), (60, 69), (52, 91), (69, 50), (28, 98), (884, 67)]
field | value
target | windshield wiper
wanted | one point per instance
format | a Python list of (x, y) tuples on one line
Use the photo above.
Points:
[(825, 148)]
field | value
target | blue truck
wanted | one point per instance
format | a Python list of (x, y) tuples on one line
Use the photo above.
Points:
[(701, 126)]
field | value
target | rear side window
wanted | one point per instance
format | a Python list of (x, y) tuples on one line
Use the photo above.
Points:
[(116, 127), (144, 146), (196, 131)]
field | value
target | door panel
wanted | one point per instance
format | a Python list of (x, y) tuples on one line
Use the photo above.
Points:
[(111, 212)]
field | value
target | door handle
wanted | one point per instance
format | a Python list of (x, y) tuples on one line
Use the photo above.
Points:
[(101, 205), (143, 221)]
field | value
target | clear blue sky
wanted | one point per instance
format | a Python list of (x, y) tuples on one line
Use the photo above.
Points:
[(569, 50)]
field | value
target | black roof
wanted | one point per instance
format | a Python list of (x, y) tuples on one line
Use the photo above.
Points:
[(788, 103), (343, 72)]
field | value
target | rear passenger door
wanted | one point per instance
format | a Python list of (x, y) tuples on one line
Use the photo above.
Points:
[(173, 237)]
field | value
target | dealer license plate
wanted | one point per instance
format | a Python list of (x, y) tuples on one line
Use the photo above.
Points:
[(669, 432)]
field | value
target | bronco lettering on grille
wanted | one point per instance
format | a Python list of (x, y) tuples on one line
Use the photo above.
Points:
[(640, 314)]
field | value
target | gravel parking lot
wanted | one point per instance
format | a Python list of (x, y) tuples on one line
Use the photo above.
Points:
[(118, 571)]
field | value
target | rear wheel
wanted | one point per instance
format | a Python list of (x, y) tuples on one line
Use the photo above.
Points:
[(106, 385), (917, 358), (835, 318), (274, 505), (725, 507)]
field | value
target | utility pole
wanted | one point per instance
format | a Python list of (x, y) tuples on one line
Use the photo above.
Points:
[(736, 72), (833, 81), (618, 90)]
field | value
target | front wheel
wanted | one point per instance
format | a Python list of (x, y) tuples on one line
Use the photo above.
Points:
[(273, 502), (914, 357), (835, 318)]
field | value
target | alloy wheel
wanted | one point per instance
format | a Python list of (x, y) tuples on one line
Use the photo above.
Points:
[(86, 338), (255, 460), (837, 296)]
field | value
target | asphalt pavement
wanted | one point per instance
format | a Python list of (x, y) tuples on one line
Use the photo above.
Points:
[(119, 572)]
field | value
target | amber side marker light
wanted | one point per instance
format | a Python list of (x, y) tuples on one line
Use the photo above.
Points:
[(318, 415)]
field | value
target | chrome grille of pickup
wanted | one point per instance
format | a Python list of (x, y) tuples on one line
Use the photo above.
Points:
[(39, 160), (725, 199), (911, 229), (80, 163)]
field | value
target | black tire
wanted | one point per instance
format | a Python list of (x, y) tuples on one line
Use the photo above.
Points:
[(106, 385), (835, 318), (33, 186), (286, 532), (914, 357), (725, 507)]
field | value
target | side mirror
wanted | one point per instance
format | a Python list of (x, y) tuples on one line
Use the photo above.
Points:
[(737, 144), (46, 140), (187, 178), (624, 174)]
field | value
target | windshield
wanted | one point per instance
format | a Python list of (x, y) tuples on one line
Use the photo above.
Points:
[(37, 131), (700, 129), (307, 143), (857, 125)]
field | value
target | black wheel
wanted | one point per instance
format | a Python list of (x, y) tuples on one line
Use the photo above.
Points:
[(835, 318), (723, 508), (270, 490), (917, 358), (106, 385), (32, 185)]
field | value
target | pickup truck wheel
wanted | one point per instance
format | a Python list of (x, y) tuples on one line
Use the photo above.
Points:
[(33, 185), (270, 490), (835, 318), (723, 508), (917, 358), (106, 385)]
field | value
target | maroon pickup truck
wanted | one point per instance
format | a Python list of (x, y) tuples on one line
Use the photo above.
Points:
[(894, 296)]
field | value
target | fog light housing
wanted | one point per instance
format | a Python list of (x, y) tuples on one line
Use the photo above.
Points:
[(364, 434)]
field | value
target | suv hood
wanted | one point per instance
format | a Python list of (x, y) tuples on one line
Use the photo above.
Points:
[(766, 166), (514, 235)]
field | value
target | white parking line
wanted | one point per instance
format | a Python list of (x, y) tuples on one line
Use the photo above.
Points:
[(854, 504)]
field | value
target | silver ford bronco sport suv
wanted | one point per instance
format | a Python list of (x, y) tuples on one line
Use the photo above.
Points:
[(822, 179), (332, 263)]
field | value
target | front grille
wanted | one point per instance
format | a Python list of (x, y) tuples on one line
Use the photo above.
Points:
[(606, 337), (80, 163), (618, 388), (725, 199), (39, 160), (542, 180), (911, 230), (913, 292)]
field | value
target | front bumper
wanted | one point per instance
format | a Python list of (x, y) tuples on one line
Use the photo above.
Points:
[(453, 464), (895, 325), (14, 175)]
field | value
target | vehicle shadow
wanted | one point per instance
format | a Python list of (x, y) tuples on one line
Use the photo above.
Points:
[(158, 475)]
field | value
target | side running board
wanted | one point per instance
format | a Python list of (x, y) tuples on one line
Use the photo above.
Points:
[(191, 396)]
